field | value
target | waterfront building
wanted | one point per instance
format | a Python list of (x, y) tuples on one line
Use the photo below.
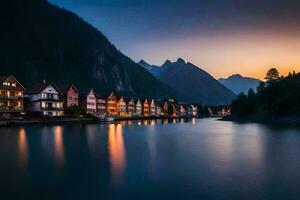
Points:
[(165, 108), (112, 105), (138, 108), (102, 105), (152, 108), (192, 110), (158, 109), (130, 106), (145, 107), (182, 110), (121, 107), (11, 97), (70, 95), (45, 100), (89, 101)]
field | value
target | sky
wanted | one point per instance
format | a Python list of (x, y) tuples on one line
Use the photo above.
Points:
[(223, 37)]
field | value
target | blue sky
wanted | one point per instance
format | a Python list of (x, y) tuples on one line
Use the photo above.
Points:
[(220, 36)]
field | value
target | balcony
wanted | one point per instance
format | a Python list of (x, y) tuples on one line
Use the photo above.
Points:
[(11, 109), (52, 108), (6, 97)]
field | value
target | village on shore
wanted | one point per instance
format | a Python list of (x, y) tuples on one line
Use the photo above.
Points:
[(48, 100)]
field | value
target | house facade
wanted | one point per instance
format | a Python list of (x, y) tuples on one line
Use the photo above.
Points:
[(11, 97), (121, 107), (145, 107), (165, 109), (192, 110), (89, 101), (112, 105), (130, 106), (138, 108), (158, 109), (45, 99), (70, 95), (182, 110), (152, 108), (101, 106)]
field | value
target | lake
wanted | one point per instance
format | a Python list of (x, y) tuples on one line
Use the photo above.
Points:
[(177, 159)]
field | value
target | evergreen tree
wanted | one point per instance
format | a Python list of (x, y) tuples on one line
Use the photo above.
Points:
[(272, 75)]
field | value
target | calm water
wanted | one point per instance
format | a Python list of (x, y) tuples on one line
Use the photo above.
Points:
[(199, 159)]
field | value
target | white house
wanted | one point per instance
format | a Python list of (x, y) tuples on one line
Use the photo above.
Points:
[(138, 108), (89, 99), (45, 99)]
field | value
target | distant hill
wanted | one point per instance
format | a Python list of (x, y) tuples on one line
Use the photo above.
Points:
[(239, 84), (193, 83), (280, 97), (42, 41)]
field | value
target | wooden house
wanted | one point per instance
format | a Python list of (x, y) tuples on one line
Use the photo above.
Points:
[(102, 105), (121, 107), (70, 95), (145, 107), (130, 106), (158, 107), (138, 107), (45, 100), (165, 108), (111, 103), (192, 110), (182, 110), (11, 97), (152, 108), (88, 99)]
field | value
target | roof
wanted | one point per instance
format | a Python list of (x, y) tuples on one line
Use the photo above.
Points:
[(19, 86), (65, 88), (143, 100), (36, 89), (103, 95), (128, 99), (86, 92)]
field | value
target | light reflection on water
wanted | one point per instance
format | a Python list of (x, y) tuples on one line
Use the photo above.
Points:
[(200, 158), (117, 153), (23, 148), (59, 146)]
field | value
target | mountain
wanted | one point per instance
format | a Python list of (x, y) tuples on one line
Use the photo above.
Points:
[(239, 84), (191, 82), (42, 41)]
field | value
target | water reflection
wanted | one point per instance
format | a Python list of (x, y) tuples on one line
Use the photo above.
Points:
[(117, 154), (23, 148), (91, 139), (194, 121), (59, 146)]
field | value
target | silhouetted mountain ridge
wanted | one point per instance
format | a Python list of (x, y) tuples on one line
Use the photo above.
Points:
[(42, 41), (193, 83), (238, 84)]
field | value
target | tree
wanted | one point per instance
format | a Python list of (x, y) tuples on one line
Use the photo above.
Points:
[(261, 86), (251, 93), (272, 75)]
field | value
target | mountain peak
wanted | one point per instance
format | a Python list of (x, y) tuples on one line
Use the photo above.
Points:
[(235, 76), (143, 62), (181, 61), (167, 62)]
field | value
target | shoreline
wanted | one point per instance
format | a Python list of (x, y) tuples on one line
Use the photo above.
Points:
[(71, 121), (265, 119)]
